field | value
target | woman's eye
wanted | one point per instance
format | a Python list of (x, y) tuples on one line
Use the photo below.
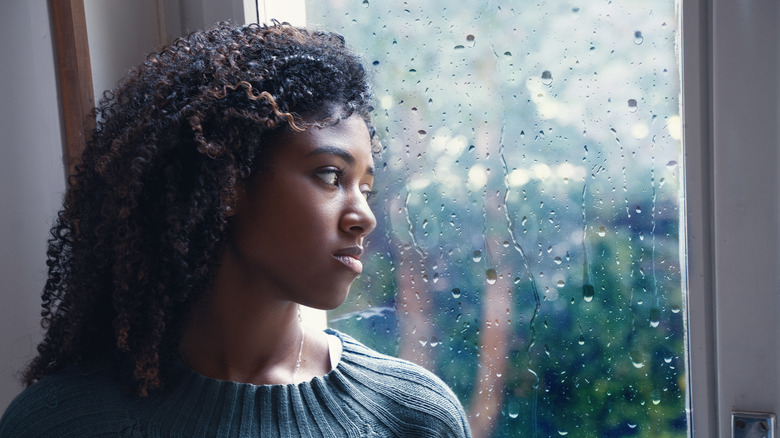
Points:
[(329, 176), (368, 193)]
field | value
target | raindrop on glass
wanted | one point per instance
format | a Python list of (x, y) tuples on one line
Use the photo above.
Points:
[(655, 317), (365, 3), (675, 309), (513, 409), (469, 37), (632, 105), (671, 164), (491, 276), (638, 38), (547, 77), (655, 395), (477, 255), (602, 231), (638, 209), (434, 341), (637, 359), (581, 341), (562, 433), (557, 260), (560, 283), (456, 293), (587, 292), (423, 341)]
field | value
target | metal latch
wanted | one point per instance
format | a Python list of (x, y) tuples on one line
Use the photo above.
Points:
[(752, 425)]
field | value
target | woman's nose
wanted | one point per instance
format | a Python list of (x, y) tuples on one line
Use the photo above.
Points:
[(358, 218)]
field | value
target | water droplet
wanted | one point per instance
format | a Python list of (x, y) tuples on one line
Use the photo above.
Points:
[(422, 133), (560, 283), (375, 63), (631, 425), (459, 47), (506, 244), (557, 260), (582, 340), (435, 277), (602, 231), (562, 433), (434, 341), (523, 220), (575, 9), (671, 165), (547, 349), (668, 359), (516, 280), (470, 37), (675, 309), (477, 255), (638, 38), (587, 292), (456, 293), (638, 209), (637, 359), (655, 396), (425, 223), (507, 53), (423, 341), (547, 77), (632, 105), (491, 276), (513, 409), (655, 317), (365, 3)]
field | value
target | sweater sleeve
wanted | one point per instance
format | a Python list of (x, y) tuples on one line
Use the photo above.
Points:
[(410, 400)]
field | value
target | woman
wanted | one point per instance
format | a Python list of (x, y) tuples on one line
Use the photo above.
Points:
[(226, 184)]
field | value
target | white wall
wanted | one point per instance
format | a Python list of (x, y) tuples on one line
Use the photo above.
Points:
[(121, 33), (31, 178)]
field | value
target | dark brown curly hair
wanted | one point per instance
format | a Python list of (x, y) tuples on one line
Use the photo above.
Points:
[(138, 238)]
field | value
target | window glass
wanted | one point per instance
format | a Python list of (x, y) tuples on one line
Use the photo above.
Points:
[(528, 246)]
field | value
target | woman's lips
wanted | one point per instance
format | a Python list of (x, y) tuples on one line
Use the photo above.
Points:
[(351, 258), (351, 262)]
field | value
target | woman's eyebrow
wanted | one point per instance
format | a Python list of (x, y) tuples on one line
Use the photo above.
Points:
[(333, 150), (341, 153)]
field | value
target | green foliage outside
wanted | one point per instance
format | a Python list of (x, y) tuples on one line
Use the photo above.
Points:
[(528, 191)]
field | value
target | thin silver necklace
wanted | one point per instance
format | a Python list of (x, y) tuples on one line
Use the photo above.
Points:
[(300, 349)]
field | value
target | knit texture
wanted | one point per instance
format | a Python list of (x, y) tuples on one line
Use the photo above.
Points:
[(367, 395)]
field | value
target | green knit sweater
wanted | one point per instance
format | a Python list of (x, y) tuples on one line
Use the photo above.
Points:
[(367, 394)]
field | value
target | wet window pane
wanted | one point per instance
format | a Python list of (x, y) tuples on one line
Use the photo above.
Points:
[(528, 246)]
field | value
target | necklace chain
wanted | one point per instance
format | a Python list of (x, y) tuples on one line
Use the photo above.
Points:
[(300, 349)]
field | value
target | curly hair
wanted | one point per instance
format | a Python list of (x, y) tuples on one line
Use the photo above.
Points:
[(137, 240)]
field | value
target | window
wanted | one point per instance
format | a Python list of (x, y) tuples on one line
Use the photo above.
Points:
[(528, 250)]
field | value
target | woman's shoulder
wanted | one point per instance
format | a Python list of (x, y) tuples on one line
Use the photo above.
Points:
[(418, 391), (62, 401)]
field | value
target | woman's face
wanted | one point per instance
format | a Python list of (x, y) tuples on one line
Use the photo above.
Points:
[(299, 227)]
